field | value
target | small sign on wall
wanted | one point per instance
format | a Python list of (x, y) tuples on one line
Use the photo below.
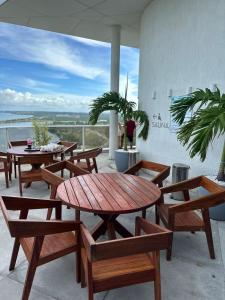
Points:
[(157, 121)]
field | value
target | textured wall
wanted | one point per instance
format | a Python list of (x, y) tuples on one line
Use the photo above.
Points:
[(182, 44)]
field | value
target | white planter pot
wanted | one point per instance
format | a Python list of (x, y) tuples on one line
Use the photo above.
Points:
[(125, 159)]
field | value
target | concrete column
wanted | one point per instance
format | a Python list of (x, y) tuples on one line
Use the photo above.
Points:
[(114, 86)]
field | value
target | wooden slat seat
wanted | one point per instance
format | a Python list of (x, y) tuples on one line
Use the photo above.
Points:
[(188, 220), (53, 246), (184, 216)]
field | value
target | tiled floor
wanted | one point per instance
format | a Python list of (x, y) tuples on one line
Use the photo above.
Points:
[(191, 275)]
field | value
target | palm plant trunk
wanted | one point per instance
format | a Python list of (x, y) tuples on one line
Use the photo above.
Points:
[(221, 173), (125, 134)]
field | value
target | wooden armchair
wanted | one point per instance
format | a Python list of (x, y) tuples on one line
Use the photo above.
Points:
[(5, 166), (117, 263), (42, 241), (89, 159), (54, 180), (35, 173), (14, 158), (163, 172), (183, 216)]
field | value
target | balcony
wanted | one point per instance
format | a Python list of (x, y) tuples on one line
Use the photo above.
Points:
[(196, 276)]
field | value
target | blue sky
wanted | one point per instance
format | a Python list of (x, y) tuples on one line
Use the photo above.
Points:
[(42, 70)]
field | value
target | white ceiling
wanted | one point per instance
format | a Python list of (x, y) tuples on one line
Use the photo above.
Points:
[(84, 18)]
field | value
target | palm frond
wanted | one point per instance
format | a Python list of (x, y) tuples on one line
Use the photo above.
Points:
[(195, 101), (201, 130), (142, 118)]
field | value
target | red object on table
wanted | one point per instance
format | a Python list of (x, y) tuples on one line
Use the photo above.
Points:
[(108, 195)]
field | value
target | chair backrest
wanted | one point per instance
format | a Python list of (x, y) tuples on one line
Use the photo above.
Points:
[(163, 170), (126, 246), (48, 174), (215, 196), (17, 143), (69, 147), (36, 159), (31, 228), (88, 154)]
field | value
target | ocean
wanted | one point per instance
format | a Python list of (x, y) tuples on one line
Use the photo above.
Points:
[(11, 116)]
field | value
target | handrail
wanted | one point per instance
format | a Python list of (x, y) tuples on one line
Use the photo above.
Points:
[(83, 145)]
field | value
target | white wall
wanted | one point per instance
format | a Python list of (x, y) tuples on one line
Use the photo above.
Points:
[(182, 44)]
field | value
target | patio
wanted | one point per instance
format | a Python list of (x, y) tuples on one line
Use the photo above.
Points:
[(190, 275)]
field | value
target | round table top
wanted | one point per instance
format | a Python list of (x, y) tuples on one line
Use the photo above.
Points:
[(19, 151), (108, 193)]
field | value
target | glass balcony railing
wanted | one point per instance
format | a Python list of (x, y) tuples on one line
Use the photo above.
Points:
[(87, 136)]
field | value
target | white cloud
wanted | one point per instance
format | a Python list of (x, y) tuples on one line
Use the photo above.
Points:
[(13, 100), (88, 42), (46, 48)]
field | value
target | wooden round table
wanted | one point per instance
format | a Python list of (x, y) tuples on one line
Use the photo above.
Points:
[(108, 195), (19, 151)]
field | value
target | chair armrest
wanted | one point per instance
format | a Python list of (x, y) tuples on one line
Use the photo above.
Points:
[(134, 169), (29, 228), (147, 227), (181, 186), (87, 240), (20, 203), (200, 203)]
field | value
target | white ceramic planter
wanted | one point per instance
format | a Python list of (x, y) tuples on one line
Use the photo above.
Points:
[(125, 159)]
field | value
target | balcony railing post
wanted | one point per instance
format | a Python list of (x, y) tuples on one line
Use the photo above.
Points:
[(83, 138)]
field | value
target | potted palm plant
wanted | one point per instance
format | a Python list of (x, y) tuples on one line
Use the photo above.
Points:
[(206, 123), (114, 101)]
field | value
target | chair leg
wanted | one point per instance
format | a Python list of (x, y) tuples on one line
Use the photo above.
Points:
[(157, 220), (83, 282), (7, 179), (144, 214), (78, 266), (208, 233), (15, 168), (49, 213), (157, 281), (21, 188), (32, 268), (169, 250), (15, 251)]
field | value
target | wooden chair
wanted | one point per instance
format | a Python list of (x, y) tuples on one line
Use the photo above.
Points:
[(54, 180), (35, 173), (89, 158), (14, 158), (5, 166), (163, 172), (183, 216), (42, 241), (117, 263)]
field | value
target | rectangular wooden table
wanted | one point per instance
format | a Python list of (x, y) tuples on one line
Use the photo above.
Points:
[(108, 195)]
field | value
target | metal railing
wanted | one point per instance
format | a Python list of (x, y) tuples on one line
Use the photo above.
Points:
[(87, 136)]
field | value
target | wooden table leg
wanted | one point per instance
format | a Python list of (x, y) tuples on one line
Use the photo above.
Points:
[(111, 225), (34, 167), (99, 230)]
